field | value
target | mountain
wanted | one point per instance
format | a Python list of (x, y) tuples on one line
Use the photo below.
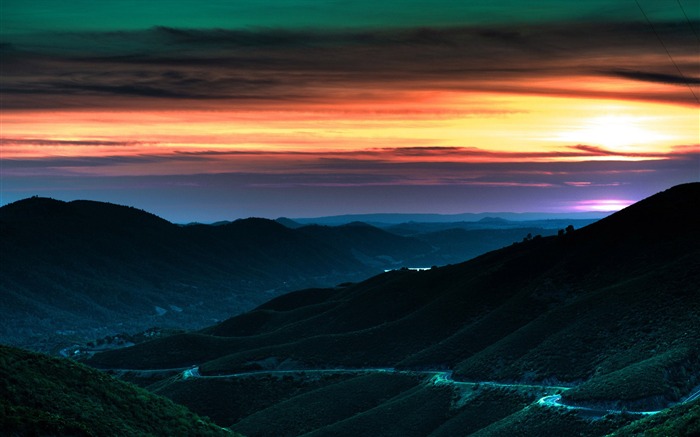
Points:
[(362, 240), (77, 271), (288, 222), (605, 315), (550, 226), (454, 245), (48, 396), (387, 219), (454, 242)]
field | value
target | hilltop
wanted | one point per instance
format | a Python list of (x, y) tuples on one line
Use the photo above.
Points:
[(609, 310)]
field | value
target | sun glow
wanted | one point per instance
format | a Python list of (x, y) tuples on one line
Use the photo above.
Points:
[(603, 205), (615, 131)]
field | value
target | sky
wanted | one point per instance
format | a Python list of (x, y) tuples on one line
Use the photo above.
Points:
[(216, 110)]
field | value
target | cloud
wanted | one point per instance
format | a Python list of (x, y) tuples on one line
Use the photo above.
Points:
[(142, 90), (56, 164), (657, 77), (270, 66), (459, 154), (79, 143), (586, 184), (423, 163), (579, 152), (689, 150), (601, 151)]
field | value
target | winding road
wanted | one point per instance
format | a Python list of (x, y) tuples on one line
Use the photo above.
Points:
[(437, 377), (555, 401), (442, 377)]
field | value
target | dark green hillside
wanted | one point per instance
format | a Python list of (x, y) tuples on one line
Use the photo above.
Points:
[(680, 421), (286, 404), (229, 400), (483, 409), (539, 421), (76, 271), (610, 310), (325, 406), (48, 396), (413, 413)]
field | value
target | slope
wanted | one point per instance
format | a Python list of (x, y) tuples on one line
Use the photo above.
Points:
[(49, 396)]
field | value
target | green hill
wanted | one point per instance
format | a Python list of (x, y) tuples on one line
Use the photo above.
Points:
[(41, 395), (680, 421), (609, 310)]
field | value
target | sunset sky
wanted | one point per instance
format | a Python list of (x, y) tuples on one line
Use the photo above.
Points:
[(215, 110)]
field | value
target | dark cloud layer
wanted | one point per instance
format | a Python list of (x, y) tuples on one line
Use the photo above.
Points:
[(657, 77), (273, 65)]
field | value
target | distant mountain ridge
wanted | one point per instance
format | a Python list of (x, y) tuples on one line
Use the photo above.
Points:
[(385, 219), (610, 310)]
